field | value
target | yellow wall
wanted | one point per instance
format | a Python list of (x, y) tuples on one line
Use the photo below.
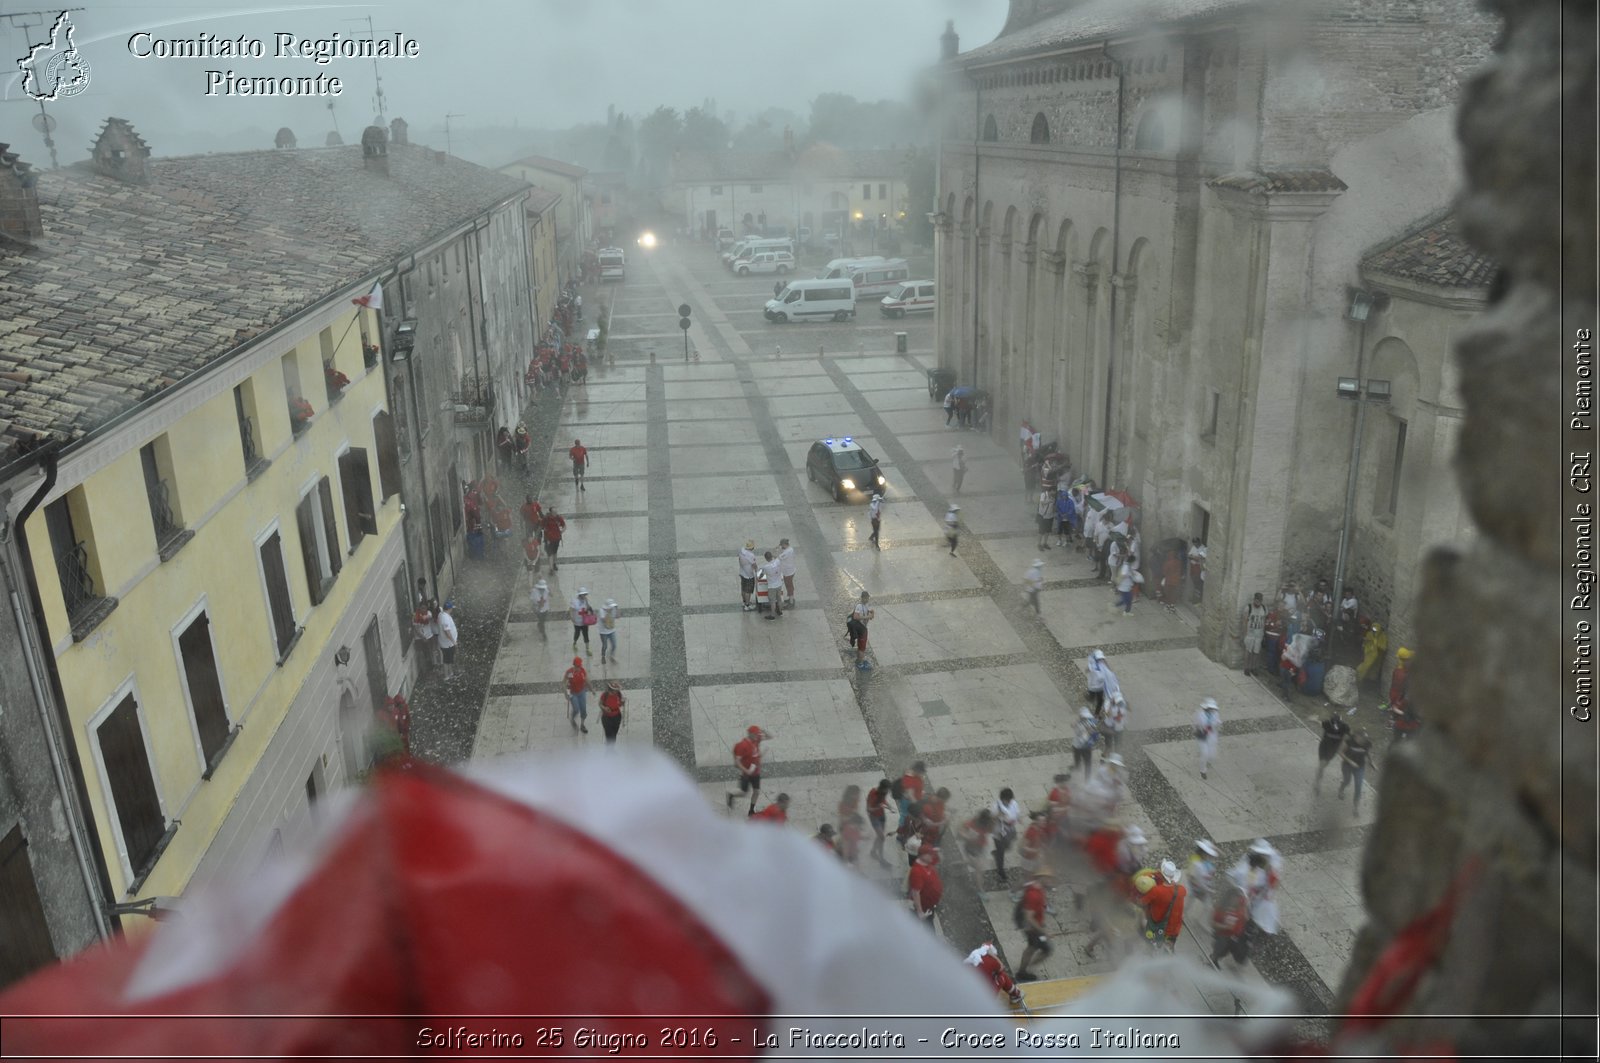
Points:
[(221, 564)]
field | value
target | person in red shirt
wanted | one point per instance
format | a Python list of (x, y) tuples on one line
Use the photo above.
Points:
[(577, 687), (1060, 803), (523, 443), (852, 829), (777, 812), (532, 517), (987, 960), (611, 703), (924, 886), (824, 838), (1029, 917), (911, 787), (747, 756), (1030, 849), (1161, 894), (878, 817), (580, 463), (553, 527), (935, 815)]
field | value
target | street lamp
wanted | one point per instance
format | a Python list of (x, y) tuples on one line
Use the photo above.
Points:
[(1362, 304), (405, 340)]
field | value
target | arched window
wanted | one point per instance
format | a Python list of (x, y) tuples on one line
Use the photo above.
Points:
[(1151, 136), (1041, 130), (991, 130)]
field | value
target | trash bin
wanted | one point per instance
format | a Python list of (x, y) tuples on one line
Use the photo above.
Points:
[(900, 343), (475, 545), (939, 382), (1316, 672)]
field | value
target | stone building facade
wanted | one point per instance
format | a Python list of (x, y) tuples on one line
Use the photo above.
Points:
[(1150, 219)]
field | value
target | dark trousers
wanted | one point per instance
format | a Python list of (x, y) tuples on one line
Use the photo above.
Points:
[(611, 725), (1082, 758)]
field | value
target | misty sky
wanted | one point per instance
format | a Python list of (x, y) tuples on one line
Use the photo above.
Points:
[(539, 63)]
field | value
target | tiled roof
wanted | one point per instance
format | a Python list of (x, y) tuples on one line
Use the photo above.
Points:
[(818, 161), (541, 200), (1096, 19), (542, 162), (134, 287), (1310, 180), (1434, 252)]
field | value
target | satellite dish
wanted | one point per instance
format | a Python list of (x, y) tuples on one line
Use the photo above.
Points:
[(44, 123)]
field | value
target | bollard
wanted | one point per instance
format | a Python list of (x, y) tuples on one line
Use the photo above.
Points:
[(900, 343), (819, 350)]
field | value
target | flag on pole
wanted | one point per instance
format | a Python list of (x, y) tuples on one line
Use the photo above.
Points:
[(373, 300)]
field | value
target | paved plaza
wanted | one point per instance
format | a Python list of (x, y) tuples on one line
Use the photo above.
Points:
[(688, 460)]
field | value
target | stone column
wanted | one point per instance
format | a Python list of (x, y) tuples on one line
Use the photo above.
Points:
[(1245, 553), (947, 282), (1053, 343)]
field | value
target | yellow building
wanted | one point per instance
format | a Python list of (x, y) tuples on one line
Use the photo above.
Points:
[(574, 225), (542, 207), (202, 471)]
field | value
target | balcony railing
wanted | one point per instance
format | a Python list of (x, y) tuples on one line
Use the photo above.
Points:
[(85, 608), (474, 405), (170, 535), (254, 463)]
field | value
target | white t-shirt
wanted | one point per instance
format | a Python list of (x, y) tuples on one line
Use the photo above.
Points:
[(747, 564), (447, 631), (958, 461), (541, 598), (1034, 580), (951, 520), (862, 612), (875, 509), (576, 609), (786, 562), (773, 570)]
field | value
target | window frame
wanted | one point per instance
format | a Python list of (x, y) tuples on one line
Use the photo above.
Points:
[(128, 689), (278, 653), (176, 632)]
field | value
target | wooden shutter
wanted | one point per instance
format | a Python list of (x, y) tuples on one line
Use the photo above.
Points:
[(353, 525), (388, 454), (308, 547), (205, 688), (23, 928), (377, 675), (279, 604), (133, 788), (355, 476), (402, 608), (331, 527)]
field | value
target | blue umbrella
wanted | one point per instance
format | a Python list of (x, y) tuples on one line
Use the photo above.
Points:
[(961, 393)]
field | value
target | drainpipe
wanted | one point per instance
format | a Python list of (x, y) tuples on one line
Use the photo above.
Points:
[(977, 218), (533, 298), (1343, 561), (1116, 253), (68, 773)]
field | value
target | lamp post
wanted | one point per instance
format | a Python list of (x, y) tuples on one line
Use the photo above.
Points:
[(1361, 392)]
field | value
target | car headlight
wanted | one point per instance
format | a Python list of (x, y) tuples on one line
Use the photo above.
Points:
[(881, 481), (848, 485)]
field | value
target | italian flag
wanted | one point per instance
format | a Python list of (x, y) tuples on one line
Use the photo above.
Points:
[(373, 300)]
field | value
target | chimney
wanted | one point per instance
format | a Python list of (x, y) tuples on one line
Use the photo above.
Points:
[(397, 132), (19, 198), (120, 153), (375, 150), (284, 139), (949, 43)]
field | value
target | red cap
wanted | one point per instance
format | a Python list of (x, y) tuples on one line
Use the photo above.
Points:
[(577, 660), (753, 731)]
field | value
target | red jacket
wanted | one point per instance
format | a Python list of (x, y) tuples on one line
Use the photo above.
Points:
[(925, 886), (1163, 907), (554, 525)]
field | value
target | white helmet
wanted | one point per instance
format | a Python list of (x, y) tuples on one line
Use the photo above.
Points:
[(1209, 703), (1169, 871), (541, 585)]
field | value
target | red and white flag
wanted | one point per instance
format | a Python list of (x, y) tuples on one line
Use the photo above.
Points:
[(373, 300)]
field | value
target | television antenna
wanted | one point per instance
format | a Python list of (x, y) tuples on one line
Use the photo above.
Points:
[(377, 78)]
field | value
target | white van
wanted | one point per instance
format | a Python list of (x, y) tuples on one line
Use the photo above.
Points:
[(842, 267), (879, 278), (912, 297), (813, 300), (751, 249), (766, 262), (735, 248)]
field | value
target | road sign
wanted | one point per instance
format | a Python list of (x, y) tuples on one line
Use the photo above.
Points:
[(683, 309)]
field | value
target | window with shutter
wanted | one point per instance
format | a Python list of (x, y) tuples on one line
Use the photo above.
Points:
[(280, 607), (459, 502), (402, 607), (22, 922), (383, 435), (306, 521), (133, 787), (355, 480), (205, 690), (330, 527)]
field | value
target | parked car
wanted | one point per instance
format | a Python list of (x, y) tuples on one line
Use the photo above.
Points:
[(844, 467), (779, 262), (909, 297)]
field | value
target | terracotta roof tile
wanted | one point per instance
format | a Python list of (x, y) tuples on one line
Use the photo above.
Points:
[(1437, 253), (135, 286)]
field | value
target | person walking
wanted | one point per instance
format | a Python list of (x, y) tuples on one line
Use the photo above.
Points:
[(1161, 897), (540, 597), (747, 574), (974, 835), (958, 466), (747, 758), (1330, 745), (878, 818), (1029, 918), (1098, 671), (580, 463), (1255, 632), (523, 442), (1201, 870), (1064, 515), (933, 815), (1125, 582), (924, 886), (1353, 766), (554, 526), (611, 706), (1085, 735), (1007, 823), (907, 791), (583, 618), (532, 517), (852, 830), (875, 514), (448, 638), (789, 568), (952, 527), (1033, 584), (1045, 514), (610, 613), (1115, 722), (1207, 731), (949, 408), (425, 629), (860, 616), (576, 684), (986, 958), (1257, 874), (1197, 568), (774, 570)]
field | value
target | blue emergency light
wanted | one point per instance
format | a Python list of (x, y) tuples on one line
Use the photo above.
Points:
[(827, 442), (849, 439)]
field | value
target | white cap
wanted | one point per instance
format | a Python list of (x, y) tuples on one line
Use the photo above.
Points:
[(582, 591), (1115, 760), (1206, 846), (1134, 836), (1260, 845), (1169, 871), (1209, 703), (1086, 712), (1098, 655), (611, 603), (542, 585)]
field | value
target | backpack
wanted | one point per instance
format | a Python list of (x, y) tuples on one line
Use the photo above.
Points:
[(854, 629), (897, 789), (1232, 912)]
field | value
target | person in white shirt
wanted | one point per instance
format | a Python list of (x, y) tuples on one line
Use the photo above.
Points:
[(1033, 583), (1096, 669), (609, 615), (862, 615), (958, 466), (952, 527), (774, 570), (540, 596), (747, 574), (448, 638), (949, 408), (875, 514), (1044, 512), (1125, 583), (788, 567), (582, 617), (1116, 721), (1007, 815), (1207, 729)]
